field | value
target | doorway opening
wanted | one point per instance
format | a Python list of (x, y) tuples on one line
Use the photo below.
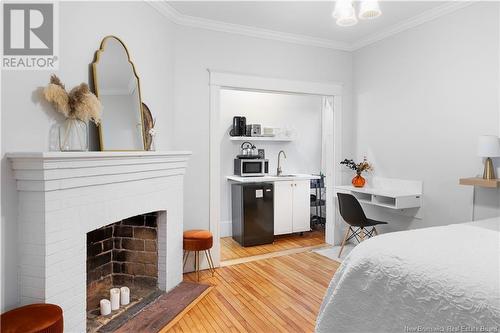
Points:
[(307, 177), (283, 131)]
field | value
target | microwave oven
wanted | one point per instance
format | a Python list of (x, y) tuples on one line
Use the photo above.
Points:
[(251, 167)]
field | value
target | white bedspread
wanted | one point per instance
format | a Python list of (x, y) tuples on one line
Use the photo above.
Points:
[(441, 279)]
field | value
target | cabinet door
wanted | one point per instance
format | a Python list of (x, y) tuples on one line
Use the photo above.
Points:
[(283, 199), (301, 206)]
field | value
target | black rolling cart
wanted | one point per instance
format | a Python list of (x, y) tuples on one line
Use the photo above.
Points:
[(318, 202)]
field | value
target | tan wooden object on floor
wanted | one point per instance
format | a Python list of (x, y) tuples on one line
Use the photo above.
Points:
[(281, 294), (230, 249)]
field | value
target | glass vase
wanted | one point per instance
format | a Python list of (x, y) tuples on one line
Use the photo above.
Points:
[(73, 135), (358, 181), (152, 146)]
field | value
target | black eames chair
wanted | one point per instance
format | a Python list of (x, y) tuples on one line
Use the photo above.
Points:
[(352, 212)]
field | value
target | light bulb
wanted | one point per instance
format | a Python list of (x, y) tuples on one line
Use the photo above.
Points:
[(344, 13), (369, 9), (347, 21)]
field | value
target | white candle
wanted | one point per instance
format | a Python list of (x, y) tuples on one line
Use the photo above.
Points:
[(105, 307), (124, 295), (114, 296)]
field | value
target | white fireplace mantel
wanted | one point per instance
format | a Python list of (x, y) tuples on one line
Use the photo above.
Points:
[(64, 195)]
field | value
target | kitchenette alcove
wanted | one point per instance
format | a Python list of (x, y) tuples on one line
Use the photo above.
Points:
[(62, 196)]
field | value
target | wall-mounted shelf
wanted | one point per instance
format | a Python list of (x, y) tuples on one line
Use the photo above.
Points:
[(477, 181), (260, 138)]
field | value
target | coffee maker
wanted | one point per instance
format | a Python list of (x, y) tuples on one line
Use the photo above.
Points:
[(239, 126)]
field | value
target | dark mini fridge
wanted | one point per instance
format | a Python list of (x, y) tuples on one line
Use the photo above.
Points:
[(253, 213)]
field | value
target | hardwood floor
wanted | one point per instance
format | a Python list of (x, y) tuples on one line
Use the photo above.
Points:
[(230, 249), (281, 294)]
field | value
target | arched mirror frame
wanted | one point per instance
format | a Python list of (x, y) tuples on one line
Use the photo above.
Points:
[(96, 91)]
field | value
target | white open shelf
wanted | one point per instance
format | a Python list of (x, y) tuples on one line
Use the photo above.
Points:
[(260, 138), (389, 193)]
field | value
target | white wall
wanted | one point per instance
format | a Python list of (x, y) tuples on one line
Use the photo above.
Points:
[(26, 123), (198, 50), (300, 113), (422, 98)]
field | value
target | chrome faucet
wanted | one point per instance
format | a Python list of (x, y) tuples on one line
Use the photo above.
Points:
[(279, 171)]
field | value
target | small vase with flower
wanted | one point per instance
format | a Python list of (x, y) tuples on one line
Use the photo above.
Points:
[(358, 180)]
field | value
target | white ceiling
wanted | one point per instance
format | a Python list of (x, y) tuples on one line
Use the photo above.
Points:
[(311, 18)]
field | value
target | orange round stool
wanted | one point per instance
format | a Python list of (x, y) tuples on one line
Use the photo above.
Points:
[(33, 318), (196, 241)]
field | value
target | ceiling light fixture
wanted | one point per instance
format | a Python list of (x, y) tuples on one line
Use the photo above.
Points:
[(369, 9), (345, 14)]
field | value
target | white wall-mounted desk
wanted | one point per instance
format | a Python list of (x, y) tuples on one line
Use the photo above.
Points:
[(389, 193)]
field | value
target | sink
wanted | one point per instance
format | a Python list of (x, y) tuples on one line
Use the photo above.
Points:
[(282, 175)]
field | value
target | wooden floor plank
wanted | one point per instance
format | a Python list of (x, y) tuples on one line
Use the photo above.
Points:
[(280, 294), (230, 249)]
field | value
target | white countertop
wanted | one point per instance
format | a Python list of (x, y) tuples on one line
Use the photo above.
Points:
[(271, 178)]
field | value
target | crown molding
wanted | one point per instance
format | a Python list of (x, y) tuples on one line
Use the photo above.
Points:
[(166, 10), (197, 22), (412, 22)]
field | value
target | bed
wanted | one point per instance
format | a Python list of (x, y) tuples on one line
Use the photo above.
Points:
[(440, 279)]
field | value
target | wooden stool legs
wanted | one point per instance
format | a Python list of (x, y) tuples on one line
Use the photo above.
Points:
[(210, 261), (344, 240)]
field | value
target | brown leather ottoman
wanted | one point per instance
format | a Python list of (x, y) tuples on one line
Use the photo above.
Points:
[(33, 318), (196, 241)]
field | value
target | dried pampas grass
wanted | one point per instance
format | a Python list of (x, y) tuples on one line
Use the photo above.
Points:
[(55, 94), (85, 104), (79, 103)]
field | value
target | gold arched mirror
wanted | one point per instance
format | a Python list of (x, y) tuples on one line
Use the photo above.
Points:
[(117, 87)]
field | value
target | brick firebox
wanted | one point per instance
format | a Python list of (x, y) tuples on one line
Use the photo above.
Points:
[(124, 253)]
